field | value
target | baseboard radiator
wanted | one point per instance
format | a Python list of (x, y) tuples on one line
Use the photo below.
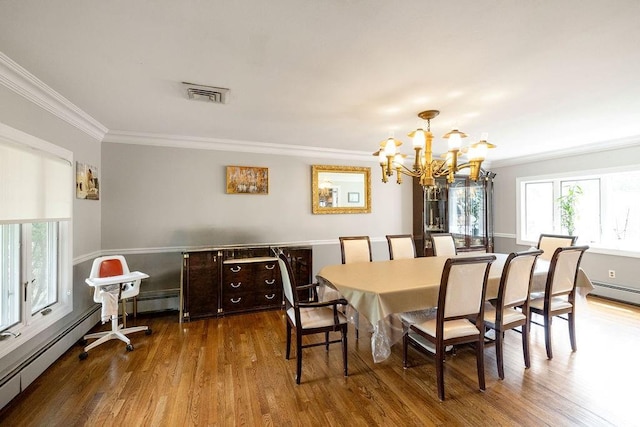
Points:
[(19, 378), (616, 292), (156, 301)]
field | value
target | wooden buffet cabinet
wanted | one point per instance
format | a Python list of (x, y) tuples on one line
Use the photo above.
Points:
[(219, 281)]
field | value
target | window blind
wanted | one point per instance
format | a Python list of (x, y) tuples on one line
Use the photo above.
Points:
[(36, 179)]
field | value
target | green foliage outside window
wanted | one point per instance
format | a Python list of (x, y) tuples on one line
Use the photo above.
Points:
[(568, 211)]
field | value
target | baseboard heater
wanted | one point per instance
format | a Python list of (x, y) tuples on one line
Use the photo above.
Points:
[(616, 292), (156, 301), (19, 378)]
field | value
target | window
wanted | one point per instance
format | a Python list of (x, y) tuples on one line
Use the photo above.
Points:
[(602, 209), (10, 279), (36, 195)]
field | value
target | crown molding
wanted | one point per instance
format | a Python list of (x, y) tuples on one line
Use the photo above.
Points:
[(25, 84), (219, 144), (595, 147)]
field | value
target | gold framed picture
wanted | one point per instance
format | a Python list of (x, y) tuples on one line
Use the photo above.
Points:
[(247, 180), (87, 186)]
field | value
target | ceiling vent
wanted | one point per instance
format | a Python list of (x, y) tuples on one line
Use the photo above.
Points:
[(217, 95)]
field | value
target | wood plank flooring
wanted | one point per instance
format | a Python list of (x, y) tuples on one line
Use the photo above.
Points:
[(232, 371)]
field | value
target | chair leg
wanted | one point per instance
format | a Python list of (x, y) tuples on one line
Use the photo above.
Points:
[(499, 359), (288, 340), (326, 340), (405, 345), (298, 358), (525, 345), (440, 370), (547, 335), (480, 360), (572, 331), (344, 351), (356, 318)]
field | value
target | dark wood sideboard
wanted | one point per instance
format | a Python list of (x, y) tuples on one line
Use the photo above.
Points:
[(228, 280)]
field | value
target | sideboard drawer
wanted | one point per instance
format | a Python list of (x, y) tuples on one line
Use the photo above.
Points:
[(251, 284), (232, 303)]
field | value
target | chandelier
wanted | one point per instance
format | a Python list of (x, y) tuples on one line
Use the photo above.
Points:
[(425, 167)]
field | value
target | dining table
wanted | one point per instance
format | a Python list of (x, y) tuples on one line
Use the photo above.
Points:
[(380, 291)]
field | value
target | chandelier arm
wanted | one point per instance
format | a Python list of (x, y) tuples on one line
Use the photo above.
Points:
[(406, 171)]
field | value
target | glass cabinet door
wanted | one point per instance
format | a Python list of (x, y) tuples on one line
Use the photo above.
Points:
[(467, 213), (458, 212), (476, 214)]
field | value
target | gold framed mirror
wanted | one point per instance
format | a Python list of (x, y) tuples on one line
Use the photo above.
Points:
[(340, 189)]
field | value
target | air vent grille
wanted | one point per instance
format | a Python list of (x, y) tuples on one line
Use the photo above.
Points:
[(217, 95)]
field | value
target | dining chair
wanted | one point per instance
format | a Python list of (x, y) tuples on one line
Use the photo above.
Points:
[(560, 292), (443, 244), (355, 249), (459, 317), (401, 246), (548, 243), (310, 318), (511, 309)]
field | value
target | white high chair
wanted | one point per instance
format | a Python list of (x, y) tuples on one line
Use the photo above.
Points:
[(113, 282)]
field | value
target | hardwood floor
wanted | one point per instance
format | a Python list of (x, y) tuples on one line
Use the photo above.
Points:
[(232, 371)]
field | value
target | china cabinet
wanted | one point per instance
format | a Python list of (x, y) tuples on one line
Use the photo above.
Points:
[(463, 208)]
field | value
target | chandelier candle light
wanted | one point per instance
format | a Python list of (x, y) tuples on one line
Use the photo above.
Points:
[(425, 167)]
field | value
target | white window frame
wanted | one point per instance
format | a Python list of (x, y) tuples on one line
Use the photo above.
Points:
[(579, 175), (29, 325)]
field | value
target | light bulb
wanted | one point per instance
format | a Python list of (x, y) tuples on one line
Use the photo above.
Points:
[(381, 157), (454, 140), (419, 139), (390, 148)]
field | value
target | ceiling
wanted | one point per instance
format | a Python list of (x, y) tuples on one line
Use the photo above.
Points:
[(539, 76)]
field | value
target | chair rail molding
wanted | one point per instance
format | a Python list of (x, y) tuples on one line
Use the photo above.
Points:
[(25, 84)]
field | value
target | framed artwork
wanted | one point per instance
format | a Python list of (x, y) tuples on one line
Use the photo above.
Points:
[(87, 185), (247, 180), (353, 197)]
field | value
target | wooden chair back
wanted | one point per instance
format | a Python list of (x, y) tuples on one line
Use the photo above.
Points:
[(401, 246), (563, 270), (443, 244), (515, 283), (463, 288), (355, 249), (548, 243), (288, 281)]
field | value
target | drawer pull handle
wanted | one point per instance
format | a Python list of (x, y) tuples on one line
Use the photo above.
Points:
[(270, 267), (233, 269), (270, 297), (236, 301), (270, 282), (233, 285)]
